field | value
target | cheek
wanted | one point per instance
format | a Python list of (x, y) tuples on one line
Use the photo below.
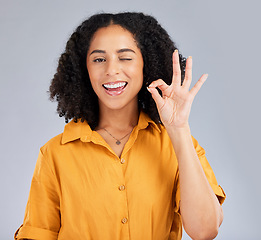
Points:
[(138, 73), (136, 70), (92, 75)]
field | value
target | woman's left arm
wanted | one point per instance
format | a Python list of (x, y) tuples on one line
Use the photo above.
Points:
[(200, 209)]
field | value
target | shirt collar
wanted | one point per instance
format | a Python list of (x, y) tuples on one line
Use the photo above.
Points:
[(82, 130), (145, 121)]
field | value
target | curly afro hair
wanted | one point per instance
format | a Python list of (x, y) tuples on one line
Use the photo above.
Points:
[(71, 86)]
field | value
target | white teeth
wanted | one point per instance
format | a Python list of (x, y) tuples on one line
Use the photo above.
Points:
[(115, 85)]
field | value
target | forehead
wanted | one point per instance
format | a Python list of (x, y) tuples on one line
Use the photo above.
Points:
[(113, 36)]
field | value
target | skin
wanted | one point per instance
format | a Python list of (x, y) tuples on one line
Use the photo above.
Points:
[(113, 57)]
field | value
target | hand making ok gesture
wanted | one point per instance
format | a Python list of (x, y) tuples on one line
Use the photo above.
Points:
[(175, 103)]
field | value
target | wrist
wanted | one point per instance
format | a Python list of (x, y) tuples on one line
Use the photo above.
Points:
[(180, 137), (178, 130)]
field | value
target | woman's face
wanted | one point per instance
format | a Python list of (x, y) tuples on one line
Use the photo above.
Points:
[(115, 67)]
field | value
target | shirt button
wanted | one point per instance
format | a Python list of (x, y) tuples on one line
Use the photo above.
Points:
[(122, 160), (121, 188), (124, 220)]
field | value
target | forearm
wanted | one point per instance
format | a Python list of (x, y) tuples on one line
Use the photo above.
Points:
[(200, 210)]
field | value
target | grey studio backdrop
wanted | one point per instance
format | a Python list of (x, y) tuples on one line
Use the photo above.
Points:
[(222, 36)]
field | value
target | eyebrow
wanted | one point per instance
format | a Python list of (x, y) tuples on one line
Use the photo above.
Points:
[(97, 51), (125, 50), (118, 51)]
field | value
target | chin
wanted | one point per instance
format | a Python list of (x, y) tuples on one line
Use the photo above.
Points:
[(119, 104)]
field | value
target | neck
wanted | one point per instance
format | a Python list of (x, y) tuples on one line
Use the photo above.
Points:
[(119, 120)]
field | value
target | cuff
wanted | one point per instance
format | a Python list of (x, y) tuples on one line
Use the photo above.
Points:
[(216, 188), (28, 232)]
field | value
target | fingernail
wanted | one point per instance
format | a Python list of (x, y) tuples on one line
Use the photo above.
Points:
[(189, 57), (148, 89), (206, 76), (176, 50)]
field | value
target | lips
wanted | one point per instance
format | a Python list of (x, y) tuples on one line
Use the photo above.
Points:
[(115, 88)]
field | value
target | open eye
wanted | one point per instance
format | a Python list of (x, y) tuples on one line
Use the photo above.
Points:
[(99, 60)]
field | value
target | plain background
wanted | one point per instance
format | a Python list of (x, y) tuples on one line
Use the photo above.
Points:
[(224, 40)]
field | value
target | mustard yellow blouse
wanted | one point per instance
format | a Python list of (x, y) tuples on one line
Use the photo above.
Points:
[(82, 190)]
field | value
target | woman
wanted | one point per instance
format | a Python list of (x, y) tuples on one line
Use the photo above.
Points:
[(126, 166)]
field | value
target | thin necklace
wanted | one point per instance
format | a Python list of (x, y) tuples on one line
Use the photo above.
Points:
[(118, 141)]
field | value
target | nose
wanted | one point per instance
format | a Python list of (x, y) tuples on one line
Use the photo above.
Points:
[(113, 67)]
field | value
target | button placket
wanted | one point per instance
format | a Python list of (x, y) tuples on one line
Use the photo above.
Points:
[(122, 191)]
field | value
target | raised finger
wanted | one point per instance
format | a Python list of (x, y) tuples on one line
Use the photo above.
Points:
[(198, 85), (176, 78), (188, 73)]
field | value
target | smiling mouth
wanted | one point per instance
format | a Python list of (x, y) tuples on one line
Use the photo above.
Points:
[(115, 87)]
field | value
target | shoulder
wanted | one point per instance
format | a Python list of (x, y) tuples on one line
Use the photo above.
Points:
[(73, 131), (53, 144)]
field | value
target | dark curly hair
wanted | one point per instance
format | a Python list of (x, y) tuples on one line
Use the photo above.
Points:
[(71, 86)]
